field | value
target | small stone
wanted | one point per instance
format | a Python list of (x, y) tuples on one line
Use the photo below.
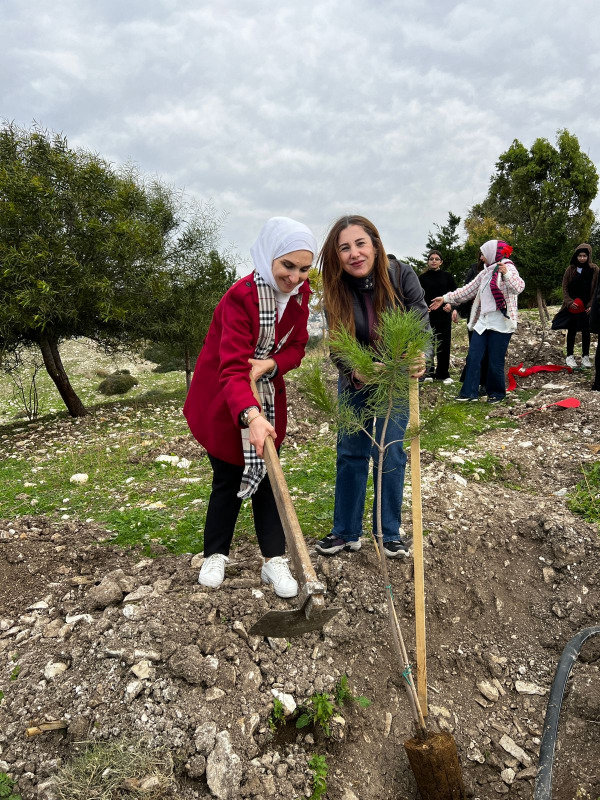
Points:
[(196, 767), (488, 691), (525, 774), (138, 594), (513, 749), (557, 611), (508, 776), (150, 784), (183, 463), (107, 593), (165, 459), (526, 687), (197, 561), (54, 669), (388, 724), (224, 769), (79, 477), (286, 700), (214, 693), (134, 688), (549, 574), (460, 480), (143, 670), (204, 737)]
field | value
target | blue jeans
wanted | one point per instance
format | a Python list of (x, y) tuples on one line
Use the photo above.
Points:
[(354, 453), (495, 344)]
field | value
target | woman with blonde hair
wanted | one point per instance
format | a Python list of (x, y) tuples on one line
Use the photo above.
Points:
[(359, 283)]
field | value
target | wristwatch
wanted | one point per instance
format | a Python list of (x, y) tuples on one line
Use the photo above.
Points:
[(244, 415)]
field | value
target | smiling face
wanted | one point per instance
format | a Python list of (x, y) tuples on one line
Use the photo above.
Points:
[(292, 269), (356, 251)]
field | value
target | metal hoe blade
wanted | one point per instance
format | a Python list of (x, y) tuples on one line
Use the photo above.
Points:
[(285, 624)]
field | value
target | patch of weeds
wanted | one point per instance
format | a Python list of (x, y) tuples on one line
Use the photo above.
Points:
[(342, 694), (277, 715), (489, 468), (1, 695), (6, 788), (117, 769), (318, 711), (585, 499), (441, 422), (319, 766), (15, 673)]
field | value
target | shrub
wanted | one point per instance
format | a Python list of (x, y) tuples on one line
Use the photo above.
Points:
[(118, 383)]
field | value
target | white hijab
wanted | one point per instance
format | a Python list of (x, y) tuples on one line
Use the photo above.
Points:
[(278, 236)]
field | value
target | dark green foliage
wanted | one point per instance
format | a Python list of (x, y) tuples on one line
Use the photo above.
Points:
[(585, 500), (543, 196), (6, 788), (117, 383), (342, 694), (167, 357), (318, 764), (445, 239)]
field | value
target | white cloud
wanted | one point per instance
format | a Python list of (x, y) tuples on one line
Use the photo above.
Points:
[(395, 109)]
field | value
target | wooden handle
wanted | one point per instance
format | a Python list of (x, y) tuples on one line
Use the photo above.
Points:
[(296, 543), (417, 519)]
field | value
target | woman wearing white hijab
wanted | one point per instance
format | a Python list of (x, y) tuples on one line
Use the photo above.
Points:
[(259, 325), (493, 319)]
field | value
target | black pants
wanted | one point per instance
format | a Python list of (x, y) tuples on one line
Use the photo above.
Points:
[(582, 324), (224, 506), (484, 366), (442, 328), (596, 384)]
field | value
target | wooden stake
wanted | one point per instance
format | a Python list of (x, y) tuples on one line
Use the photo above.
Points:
[(55, 725), (417, 521)]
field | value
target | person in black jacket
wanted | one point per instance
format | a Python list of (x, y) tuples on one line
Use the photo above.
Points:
[(359, 283), (435, 282), (464, 311), (595, 328)]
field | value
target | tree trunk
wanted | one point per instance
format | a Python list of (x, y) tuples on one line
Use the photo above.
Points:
[(544, 317), (54, 366), (188, 369)]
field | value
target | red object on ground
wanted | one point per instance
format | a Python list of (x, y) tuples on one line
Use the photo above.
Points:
[(568, 402), (513, 372)]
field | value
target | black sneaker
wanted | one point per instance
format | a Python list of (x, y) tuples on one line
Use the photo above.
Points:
[(332, 544), (396, 549)]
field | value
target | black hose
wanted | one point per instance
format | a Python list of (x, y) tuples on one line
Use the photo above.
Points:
[(543, 782)]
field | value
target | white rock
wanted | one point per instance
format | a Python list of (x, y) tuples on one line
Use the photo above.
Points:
[(131, 611), (525, 445), (440, 711), (40, 605), (286, 700), (513, 749), (183, 463), (525, 687), (167, 459), (133, 690), (75, 618), (143, 670), (197, 561), (157, 504), (457, 460), (214, 693), (257, 594), (459, 479), (54, 669), (190, 480), (138, 594), (488, 691), (224, 769), (508, 775), (79, 477), (560, 493), (475, 754)]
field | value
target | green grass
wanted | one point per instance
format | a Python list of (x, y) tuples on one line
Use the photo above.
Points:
[(585, 499)]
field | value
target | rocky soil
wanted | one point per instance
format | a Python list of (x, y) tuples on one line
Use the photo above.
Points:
[(112, 644)]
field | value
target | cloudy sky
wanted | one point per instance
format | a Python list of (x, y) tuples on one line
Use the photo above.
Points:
[(396, 109)]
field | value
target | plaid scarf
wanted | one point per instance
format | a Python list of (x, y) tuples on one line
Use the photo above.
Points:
[(254, 467), (499, 298)]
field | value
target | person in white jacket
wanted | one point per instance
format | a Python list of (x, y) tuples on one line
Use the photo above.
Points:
[(493, 319)]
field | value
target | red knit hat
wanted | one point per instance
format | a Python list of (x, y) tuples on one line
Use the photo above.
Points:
[(580, 306)]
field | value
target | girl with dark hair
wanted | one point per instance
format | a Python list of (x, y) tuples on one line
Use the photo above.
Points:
[(359, 283), (258, 328), (578, 288), (436, 281)]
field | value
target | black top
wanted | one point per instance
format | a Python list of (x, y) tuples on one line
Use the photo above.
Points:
[(581, 284), (435, 283)]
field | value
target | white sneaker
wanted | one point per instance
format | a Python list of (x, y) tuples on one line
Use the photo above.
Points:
[(570, 362), (277, 572), (213, 571), (585, 362)]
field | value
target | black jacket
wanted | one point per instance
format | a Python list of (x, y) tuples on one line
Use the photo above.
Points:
[(408, 291)]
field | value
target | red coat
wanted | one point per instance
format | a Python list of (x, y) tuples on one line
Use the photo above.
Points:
[(220, 388)]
